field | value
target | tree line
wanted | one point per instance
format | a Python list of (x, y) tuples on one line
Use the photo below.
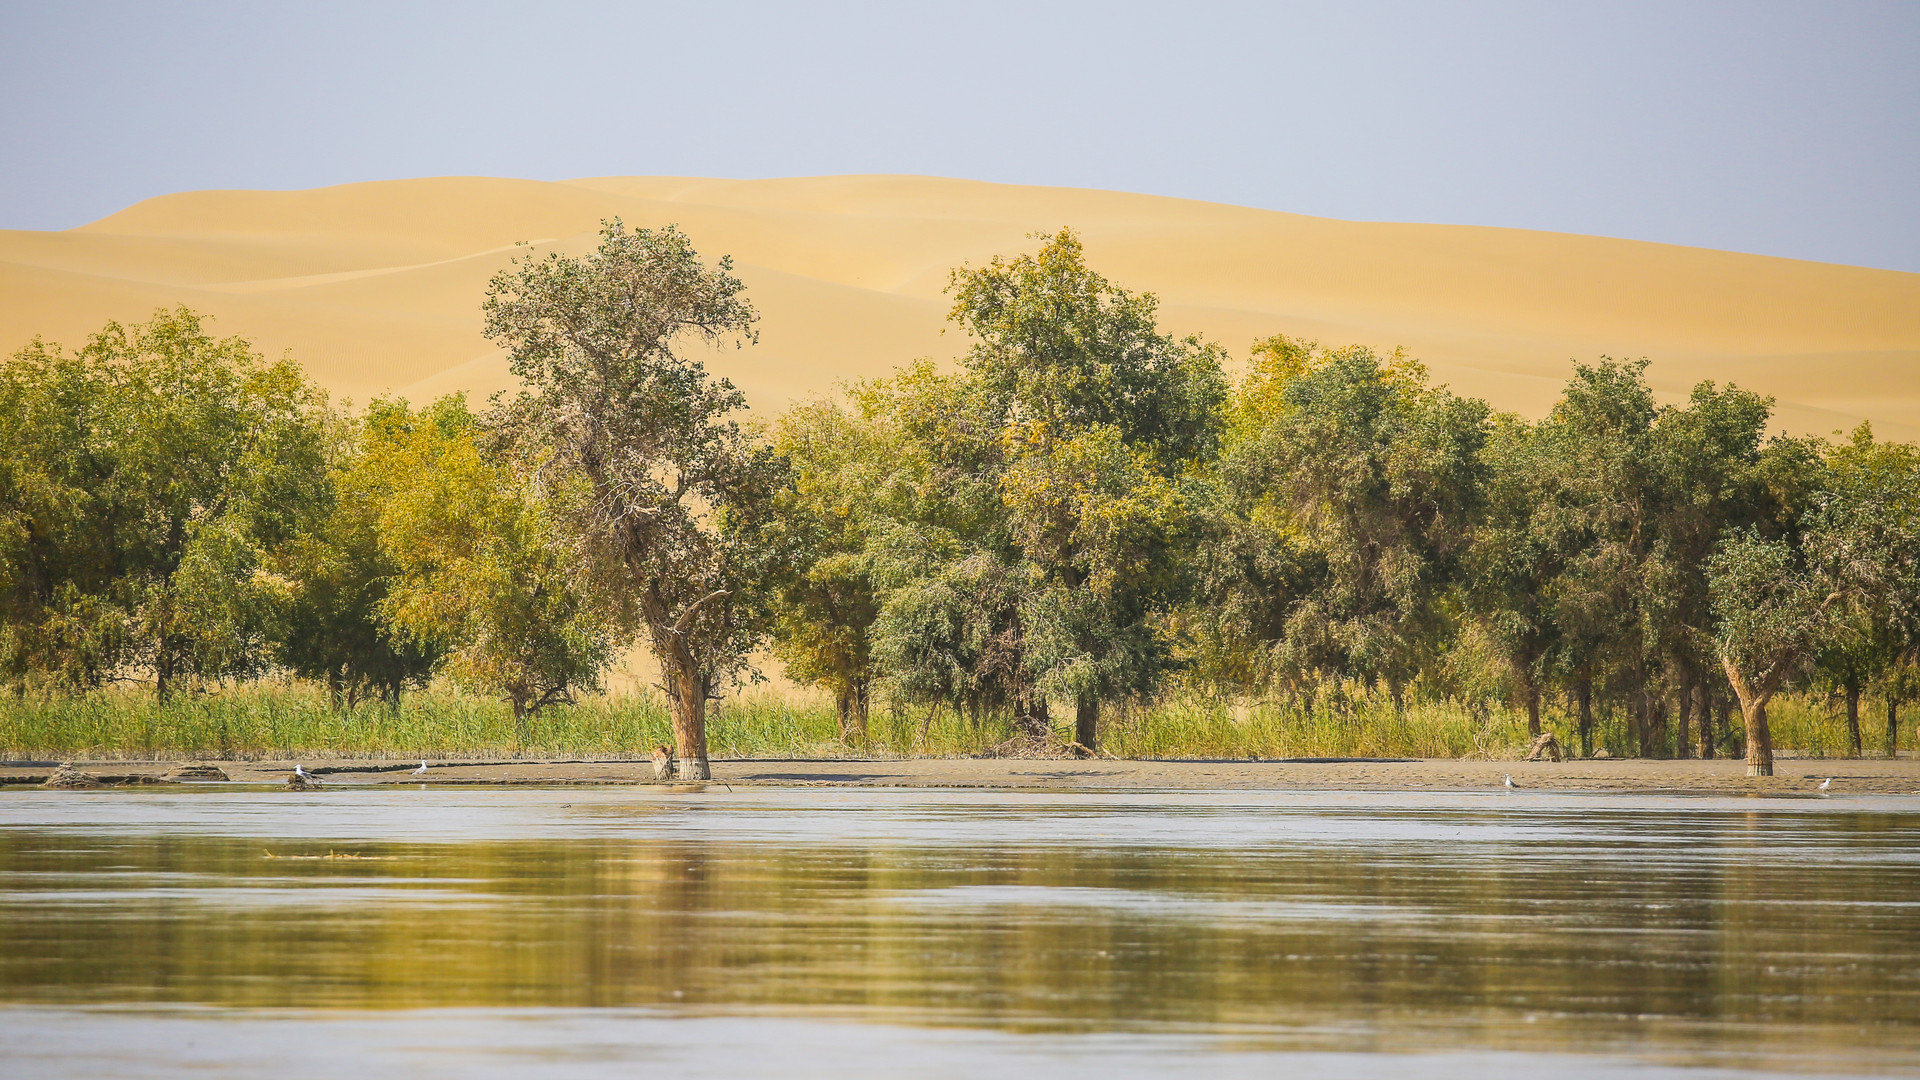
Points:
[(1082, 512)]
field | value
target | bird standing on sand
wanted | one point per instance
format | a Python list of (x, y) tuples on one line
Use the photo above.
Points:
[(421, 771), (1827, 783), (1509, 782)]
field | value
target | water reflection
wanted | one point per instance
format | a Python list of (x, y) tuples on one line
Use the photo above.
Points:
[(1782, 935)]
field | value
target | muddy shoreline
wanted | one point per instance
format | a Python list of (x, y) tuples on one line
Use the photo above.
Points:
[(1720, 777)]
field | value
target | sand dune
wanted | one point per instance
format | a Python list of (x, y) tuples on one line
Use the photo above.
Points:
[(376, 287)]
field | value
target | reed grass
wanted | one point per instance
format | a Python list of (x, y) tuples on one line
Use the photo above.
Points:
[(292, 720)]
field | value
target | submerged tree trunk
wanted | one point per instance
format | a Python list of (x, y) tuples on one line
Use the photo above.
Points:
[(1086, 721), (1853, 715)]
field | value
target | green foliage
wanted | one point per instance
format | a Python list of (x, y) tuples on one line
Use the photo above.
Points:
[(665, 494), (826, 600), (1374, 479), (1021, 526), (336, 631), (153, 476), (482, 571), (1335, 556)]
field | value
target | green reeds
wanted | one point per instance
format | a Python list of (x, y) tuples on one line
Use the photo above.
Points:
[(293, 720)]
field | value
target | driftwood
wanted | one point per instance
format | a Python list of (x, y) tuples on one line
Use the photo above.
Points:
[(1544, 746), (662, 763), (296, 782), (68, 778), (196, 771), (1600, 754), (1026, 746)]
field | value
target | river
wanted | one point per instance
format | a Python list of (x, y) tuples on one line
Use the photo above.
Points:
[(534, 932)]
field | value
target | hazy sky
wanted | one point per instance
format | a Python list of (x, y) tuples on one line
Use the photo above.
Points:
[(1787, 129)]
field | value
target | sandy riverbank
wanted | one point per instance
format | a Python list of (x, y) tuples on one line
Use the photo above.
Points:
[(1792, 776)]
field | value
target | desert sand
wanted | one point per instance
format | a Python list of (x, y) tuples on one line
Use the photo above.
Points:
[(376, 287)]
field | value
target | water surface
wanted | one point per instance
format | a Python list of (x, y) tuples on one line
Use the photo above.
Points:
[(869, 932)]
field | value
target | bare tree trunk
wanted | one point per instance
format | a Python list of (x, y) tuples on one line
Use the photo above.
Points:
[(1853, 714), (1086, 721), (519, 700), (1753, 709), (1893, 726), (1533, 709), (688, 700), (1705, 695), (1656, 729), (1035, 721), (1683, 719), (1637, 721), (1759, 739), (1583, 694), (1726, 705)]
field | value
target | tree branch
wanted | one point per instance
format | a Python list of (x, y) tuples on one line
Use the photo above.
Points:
[(685, 620)]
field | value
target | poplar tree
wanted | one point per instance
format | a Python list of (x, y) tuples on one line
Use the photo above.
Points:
[(671, 492)]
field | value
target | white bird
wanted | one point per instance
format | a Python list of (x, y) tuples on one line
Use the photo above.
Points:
[(421, 771), (301, 772), (1509, 781), (1827, 783)]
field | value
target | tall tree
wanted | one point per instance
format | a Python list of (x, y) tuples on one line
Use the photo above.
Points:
[(826, 599), (672, 492), (1853, 561), (1515, 556), (1708, 480), (194, 461), (483, 574), (1101, 421), (1382, 475), (335, 631)]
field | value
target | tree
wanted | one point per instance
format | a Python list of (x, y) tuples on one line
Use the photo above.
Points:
[(1100, 422), (335, 631), (636, 444), (58, 562), (1707, 479), (826, 601), (1881, 639), (1515, 555), (1383, 476), (483, 575), (1854, 560), (148, 544)]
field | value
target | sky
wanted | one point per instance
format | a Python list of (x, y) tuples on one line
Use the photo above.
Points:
[(1787, 129)]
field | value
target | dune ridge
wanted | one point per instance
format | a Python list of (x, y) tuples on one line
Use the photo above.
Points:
[(376, 287)]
